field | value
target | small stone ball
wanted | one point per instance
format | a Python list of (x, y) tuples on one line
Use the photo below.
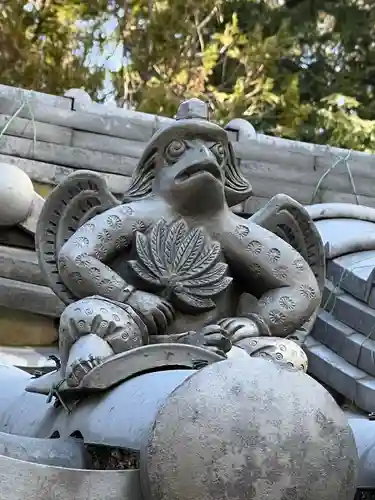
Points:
[(248, 429), (16, 195), (80, 96), (192, 108), (245, 130)]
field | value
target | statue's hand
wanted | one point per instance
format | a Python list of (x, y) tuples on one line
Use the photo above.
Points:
[(238, 328), (211, 337), (156, 312), (216, 339)]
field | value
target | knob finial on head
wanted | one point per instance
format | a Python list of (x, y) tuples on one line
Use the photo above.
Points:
[(192, 108)]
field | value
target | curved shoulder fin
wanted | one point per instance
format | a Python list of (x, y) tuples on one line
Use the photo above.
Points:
[(289, 220), (81, 196)]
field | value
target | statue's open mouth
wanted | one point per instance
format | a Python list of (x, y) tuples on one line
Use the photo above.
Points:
[(199, 168)]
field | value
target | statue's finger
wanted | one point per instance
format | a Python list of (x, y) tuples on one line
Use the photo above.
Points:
[(151, 325), (227, 345), (223, 322), (227, 324), (236, 326), (219, 340), (160, 320), (214, 339), (168, 311), (216, 350), (207, 330)]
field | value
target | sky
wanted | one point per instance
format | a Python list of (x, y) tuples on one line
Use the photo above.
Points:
[(110, 57)]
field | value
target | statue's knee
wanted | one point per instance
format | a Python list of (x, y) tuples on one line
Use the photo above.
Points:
[(119, 326), (77, 319)]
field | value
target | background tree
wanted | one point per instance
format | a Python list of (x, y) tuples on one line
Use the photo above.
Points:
[(39, 42), (302, 69)]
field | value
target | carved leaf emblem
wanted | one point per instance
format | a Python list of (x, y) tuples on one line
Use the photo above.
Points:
[(182, 265)]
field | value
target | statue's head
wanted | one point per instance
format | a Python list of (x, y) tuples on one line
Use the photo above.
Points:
[(191, 164)]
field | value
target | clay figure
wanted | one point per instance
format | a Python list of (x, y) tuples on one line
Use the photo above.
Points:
[(145, 256), (160, 288)]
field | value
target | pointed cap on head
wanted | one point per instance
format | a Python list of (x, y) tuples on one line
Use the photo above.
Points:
[(191, 121), (192, 109)]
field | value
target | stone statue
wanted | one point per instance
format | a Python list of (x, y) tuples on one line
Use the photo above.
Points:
[(160, 288), (171, 262)]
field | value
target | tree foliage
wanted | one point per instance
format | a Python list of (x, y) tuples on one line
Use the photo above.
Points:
[(302, 69)]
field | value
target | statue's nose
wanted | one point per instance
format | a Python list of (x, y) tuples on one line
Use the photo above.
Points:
[(204, 151), (205, 155)]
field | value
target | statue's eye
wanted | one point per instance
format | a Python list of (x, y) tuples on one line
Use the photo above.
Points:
[(219, 151), (174, 150)]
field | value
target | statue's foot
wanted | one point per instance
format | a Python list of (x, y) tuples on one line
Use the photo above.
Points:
[(283, 351), (216, 339), (238, 328), (80, 368), (118, 325)]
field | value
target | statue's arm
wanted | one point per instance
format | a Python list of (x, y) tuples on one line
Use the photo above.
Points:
[(81, 260), (290, 291)]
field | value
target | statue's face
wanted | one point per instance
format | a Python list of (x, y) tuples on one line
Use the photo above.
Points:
[(190, 176)]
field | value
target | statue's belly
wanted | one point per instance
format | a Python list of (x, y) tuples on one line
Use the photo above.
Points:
[(226, 302), (226, 306)]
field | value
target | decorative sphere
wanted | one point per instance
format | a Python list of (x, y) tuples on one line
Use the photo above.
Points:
[(245, 129), (16, 195), (237, 353), (192, 108), (80, 96), (249, 429)]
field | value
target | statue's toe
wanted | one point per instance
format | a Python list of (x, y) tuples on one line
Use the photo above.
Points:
[(283, 351)]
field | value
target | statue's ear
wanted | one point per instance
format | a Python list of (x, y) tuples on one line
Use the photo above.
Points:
[(143, 176), (237, 188)]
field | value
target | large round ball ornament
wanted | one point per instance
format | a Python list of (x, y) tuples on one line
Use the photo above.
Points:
[(16, 195), (249, 429)]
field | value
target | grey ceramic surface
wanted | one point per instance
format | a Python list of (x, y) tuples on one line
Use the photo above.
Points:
[(118, 418), (256, 431), (349, 310), (320, 211), (24, 480), (16, 195), (346, 236), (340, 338), (354, 273), (331, 369), (25, 413), (364, 435), (341, 348), (17, 379), (172, 258), (354, 347), (69, 452)]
